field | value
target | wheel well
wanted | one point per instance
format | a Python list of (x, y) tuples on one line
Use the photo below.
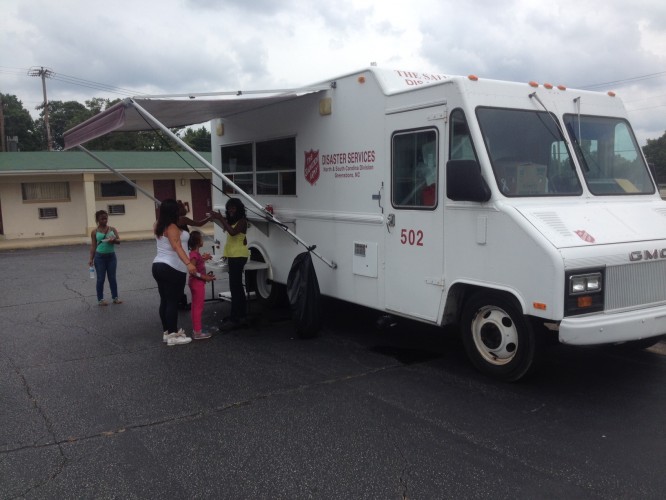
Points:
[(460, 293), (257, 254), (270, 292)]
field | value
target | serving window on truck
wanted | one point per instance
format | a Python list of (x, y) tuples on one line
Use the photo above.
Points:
[(414, 169), (608, 155), (528, 154), (263, 167)]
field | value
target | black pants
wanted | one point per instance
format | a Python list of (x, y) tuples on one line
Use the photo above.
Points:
[(183, 304), (238, 306), (171, 285)]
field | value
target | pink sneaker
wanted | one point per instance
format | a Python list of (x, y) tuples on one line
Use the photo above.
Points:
[(200, 335)]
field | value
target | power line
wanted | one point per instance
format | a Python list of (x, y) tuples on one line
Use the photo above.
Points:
[(624, 81), (74, 80), (650, 107), (650, 97), (96, 85), (13, 71)]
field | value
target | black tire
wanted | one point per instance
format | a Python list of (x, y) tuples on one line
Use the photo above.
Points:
[(499, 340)]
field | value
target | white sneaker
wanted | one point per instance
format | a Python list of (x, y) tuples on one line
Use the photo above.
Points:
[(178, 338), (166, 334)]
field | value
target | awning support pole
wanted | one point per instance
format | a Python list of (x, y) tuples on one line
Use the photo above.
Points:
[(268, 215), (130, 182)]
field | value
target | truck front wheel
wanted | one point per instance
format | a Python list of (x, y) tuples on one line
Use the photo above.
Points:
[(498, 338)]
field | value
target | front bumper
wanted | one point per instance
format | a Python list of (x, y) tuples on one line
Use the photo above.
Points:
[(609, 328)]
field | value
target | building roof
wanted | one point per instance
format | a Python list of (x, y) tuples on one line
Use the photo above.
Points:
[(51, 162)]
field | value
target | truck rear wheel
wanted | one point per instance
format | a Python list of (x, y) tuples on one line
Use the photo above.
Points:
[(498, 338)]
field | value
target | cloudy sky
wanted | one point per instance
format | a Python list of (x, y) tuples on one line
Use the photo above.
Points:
[(121, 48)]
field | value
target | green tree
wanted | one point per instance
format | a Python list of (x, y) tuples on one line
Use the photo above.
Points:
[(199, 139), (66, 115), (655, 153), (62, 116), (97, 104), (19, 123)]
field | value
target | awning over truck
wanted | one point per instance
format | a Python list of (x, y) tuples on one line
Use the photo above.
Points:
[(167, 112), (175, 113)]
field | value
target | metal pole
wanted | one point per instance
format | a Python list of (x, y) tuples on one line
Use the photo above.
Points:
[(44, 73), (49, 141), (3, 138), (136, 186)]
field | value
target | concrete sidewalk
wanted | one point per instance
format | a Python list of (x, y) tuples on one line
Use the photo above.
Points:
[(25, 243)]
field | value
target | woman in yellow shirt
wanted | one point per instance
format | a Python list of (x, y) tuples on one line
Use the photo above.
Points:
[(236, 253)]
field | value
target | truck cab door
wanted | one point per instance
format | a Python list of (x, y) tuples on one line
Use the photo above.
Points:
[(414, 249)]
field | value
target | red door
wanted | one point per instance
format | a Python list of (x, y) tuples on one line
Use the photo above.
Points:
[(164, 189), (201, 198)]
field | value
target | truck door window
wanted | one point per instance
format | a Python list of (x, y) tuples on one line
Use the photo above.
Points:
[(414, 169), (460, 142), (608, 154), (528, 153)]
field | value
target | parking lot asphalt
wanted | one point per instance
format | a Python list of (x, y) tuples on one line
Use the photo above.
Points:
[(94, 405)]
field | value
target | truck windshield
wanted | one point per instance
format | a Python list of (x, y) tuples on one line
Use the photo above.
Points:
[(608, 155), (528, 154)]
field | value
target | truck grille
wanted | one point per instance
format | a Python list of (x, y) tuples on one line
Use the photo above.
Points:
[(634, 285)]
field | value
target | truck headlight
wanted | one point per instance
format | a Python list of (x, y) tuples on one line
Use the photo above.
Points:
[(584, 283), (584, 292)]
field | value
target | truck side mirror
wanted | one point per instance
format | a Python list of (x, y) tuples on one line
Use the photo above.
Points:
[(464, 181)]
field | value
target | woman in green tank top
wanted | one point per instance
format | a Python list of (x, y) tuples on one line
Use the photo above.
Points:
[(102, 253)]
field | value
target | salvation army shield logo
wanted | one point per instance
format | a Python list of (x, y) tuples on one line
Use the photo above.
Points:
[(311, 166)]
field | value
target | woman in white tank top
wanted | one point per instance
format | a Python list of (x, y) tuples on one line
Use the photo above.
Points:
[(170, 268)]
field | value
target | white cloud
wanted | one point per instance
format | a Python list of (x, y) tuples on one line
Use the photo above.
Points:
[(206, 45)]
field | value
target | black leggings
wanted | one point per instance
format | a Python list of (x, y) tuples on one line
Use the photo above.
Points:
[(238, 306), (171, 285)]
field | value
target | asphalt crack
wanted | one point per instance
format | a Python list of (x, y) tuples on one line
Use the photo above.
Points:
[(49, 427), (188, 417)]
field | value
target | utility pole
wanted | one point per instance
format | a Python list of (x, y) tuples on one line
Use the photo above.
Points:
[(44, 74)]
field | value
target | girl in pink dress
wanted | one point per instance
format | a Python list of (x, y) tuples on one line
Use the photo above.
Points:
[(197, 283)]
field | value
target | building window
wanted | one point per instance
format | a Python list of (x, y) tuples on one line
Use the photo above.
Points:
[(45, 191), (114, 189), (116, 209), (264, 167), (48, 213), (414, 169)]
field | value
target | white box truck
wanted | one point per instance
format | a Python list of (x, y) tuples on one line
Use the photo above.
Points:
[(510, 209)]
